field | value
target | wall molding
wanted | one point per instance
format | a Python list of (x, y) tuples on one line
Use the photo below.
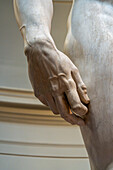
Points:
[(9, 142), (19, 97), (45, 150), (21, 106), (42, 156), (62, 1)]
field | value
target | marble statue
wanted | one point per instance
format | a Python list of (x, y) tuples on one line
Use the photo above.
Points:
[(55, 76)]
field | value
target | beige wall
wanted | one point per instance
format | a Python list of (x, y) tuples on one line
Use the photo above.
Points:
[(41, 147), (13, 64), (31, 137)]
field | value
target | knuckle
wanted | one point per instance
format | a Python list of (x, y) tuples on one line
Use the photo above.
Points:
[(63, 81), (71, 83), (83, 86), (77, 107), (54, 88), (54, 84), (80, 109)]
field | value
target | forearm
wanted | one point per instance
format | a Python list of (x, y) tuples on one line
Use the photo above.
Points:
[(54, 77), (33, 18)]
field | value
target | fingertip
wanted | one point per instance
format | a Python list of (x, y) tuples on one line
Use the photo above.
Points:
[(82, 90), (86, 99), (85, 109), (80, 109)]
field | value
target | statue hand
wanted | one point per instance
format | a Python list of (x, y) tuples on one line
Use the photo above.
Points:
[(56, 81)]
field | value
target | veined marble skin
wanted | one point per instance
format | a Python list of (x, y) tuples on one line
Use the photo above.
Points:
[(89, 43)]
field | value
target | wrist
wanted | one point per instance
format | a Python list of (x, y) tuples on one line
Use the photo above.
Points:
[(32, 34), (42, 44)]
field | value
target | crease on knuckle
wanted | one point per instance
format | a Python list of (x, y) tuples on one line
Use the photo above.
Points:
[(82, 88)]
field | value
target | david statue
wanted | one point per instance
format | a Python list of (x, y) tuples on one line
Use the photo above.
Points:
[(58, 79)]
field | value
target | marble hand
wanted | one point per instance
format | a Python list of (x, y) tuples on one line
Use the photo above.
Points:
[(56, 81)]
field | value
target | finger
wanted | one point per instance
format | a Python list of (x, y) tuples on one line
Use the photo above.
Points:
[(77, 107), (51, 104), (79, 120), (82, 90), (74, 100), (65, 111), (42, 99)]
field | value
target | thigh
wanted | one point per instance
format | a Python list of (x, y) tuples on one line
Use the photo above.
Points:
[(93, 55)]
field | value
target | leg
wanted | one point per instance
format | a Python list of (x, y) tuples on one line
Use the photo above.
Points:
[(92, 53)]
